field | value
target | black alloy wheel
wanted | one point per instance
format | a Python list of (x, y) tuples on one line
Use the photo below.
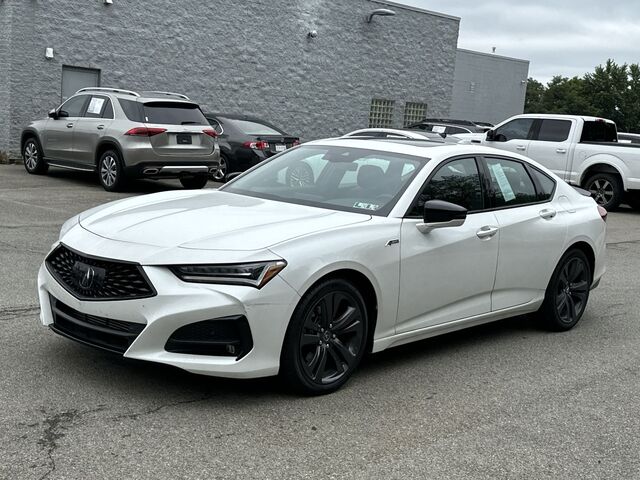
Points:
[(326, 339), (606, 189), (568, 292), (194, 183), (32, 156)]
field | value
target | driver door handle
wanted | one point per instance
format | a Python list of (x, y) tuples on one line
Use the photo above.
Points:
[(487, 231), (522, 148), (548, 213), (69, 125), (100, 127), (561, 150)]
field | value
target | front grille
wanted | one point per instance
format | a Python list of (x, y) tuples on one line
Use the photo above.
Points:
[(105, 333), (92, 278)]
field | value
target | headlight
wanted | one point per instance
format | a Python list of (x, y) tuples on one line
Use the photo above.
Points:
[(250, 274), (68, 225)]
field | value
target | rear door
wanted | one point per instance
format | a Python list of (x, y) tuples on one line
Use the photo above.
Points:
[(551, 145), (532, 231), (58, 139), (513, 136), (89, 129), (181, 126)]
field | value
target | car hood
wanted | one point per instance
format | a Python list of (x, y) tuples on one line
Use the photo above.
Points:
[(209, 220)]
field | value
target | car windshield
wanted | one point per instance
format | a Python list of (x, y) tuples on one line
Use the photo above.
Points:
[(339, 178)]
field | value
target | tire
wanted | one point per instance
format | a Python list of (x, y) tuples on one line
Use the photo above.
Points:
[(220, 175), (34, 162), (110, 171), (567, 293), (194, 183), (326, 339), (299, 174), (606, 189)]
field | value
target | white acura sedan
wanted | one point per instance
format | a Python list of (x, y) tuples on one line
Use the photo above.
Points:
[(388, 243)]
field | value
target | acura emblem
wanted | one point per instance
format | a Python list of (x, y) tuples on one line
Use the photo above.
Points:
[(87, 279)]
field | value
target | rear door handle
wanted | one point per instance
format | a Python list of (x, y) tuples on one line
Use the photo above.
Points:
[(522, 148), (100, 127), (69, 125), (548, 213), (487, 231), (561, 150)]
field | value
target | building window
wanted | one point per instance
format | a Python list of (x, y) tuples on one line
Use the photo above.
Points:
[(414, 112), (381, 114)]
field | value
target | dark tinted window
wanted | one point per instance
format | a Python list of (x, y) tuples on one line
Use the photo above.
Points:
[(599, 131), (99, 107), (255, 128), (511, 183), (454, 130), (216, 125), (554, 130), (132, 110), (174, 113), (547, 184), (74, 106), (457, 182), (517, 129)]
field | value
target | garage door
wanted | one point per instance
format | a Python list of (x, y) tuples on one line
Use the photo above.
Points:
[(75, 78)]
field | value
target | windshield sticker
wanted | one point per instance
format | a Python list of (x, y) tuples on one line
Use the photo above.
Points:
[(366, 206), (95, 105), (503, 182), (438, 129)]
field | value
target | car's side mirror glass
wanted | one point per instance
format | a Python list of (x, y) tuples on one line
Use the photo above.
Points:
[(53, 114), (491, 135), (441, 214)]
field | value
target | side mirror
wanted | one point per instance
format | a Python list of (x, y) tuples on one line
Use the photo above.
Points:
[(441, 214), (62, 114), (491, 135), (53, 114), (233, 175)]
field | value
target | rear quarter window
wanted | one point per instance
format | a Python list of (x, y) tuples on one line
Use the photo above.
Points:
[(547, 185), (132, 110)]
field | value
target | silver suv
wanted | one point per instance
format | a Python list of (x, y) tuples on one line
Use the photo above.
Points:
[(122, 134)]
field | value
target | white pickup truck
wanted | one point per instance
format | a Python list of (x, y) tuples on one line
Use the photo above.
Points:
[(584, 151)]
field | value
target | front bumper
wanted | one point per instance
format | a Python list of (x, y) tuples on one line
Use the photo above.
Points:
[(178, 304)]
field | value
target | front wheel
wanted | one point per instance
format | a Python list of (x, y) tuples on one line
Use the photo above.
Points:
[(33, 159), (110, 171), (606, 189), (567, 293), (194, 183), (326, 338)]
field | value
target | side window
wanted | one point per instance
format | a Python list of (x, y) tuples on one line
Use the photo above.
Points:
[(454, 130), (457, 181), (132, 110), (99, 107), (547, 185), (74, 106), (511, 183), (554, 130), (216, 125), (517, 129)]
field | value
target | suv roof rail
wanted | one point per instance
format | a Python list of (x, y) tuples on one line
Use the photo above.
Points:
[(166, 94), (107, 89)]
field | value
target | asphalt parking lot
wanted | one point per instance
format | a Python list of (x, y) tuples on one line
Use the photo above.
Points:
[(505, 400)]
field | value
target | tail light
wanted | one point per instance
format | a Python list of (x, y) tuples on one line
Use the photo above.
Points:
[(296, 143), (603, 213), (211, 132), (259, 145), (145, 131)]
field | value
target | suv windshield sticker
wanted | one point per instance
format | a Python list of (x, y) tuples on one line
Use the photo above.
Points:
[(503, 182), (366, 206), (95, 105), (438, 129)]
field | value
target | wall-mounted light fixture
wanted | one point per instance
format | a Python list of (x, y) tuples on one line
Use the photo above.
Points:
[(108, 2), (312, 34), (382, 12), (48, 53)]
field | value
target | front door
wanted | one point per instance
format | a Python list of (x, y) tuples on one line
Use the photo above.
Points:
[(513, 136), (448, 273), (90, 128), (58, 138)]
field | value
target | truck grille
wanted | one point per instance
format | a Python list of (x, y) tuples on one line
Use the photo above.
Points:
[(91, 278)]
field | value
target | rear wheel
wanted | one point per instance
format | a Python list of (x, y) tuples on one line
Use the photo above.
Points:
[(299, 174), (194, 183), (110, 171), (220, 174), (33, 159), (326, 338), (606, 189), (567, 293)]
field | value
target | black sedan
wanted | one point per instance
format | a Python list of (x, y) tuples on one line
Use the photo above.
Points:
[(246, 141)]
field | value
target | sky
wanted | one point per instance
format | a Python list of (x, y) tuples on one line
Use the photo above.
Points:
[(561, 37)]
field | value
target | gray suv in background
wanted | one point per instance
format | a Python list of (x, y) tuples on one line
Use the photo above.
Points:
[(122, 134)]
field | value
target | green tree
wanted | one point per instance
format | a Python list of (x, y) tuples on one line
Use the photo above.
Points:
[(534, 97)]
